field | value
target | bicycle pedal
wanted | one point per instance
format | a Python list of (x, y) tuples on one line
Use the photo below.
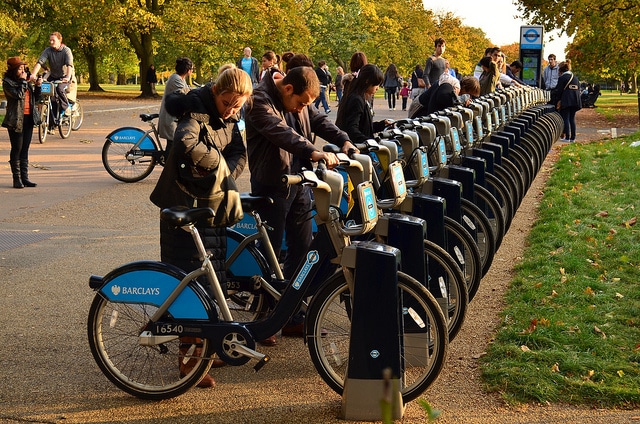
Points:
[(261, 363)]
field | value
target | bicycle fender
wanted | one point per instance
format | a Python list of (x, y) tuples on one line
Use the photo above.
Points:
[(131, 135), (151, 282)]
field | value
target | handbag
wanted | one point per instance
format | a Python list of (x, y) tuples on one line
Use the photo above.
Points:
[(421, 83), (216, 189)]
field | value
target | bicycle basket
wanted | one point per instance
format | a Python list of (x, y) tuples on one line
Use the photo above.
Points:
[(46, 89)]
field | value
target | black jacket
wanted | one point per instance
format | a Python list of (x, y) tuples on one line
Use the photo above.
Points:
[(356, 119), (193, 153), (273, 141), (14, 91), (567, 92)]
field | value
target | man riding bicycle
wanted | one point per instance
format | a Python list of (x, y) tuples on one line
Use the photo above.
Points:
[(60, 66)]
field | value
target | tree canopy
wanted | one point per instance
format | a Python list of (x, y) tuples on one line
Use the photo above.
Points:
[(606, 34)]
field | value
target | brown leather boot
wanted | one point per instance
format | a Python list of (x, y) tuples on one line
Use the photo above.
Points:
[(192, 346)]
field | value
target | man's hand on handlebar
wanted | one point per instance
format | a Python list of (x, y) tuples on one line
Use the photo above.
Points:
[(349, 148), (330, 159)]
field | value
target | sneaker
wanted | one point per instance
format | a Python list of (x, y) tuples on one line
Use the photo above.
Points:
[(328, 111), (564, 140), (572, 141)]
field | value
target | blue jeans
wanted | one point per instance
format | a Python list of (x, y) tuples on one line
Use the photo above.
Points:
[(322, 98)]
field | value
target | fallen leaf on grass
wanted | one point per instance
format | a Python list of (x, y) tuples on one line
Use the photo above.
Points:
[(590, 374), (555, 368), (532, 327), (589, 291), (524, 348), (619, 296), (630, 223), (599, 331), (602, 214)]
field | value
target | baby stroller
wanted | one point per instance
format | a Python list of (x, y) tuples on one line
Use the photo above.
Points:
[(589, 99)]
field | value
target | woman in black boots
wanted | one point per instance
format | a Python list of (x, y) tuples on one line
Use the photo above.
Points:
[(20, 118)]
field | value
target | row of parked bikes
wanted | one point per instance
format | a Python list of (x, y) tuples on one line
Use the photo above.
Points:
[(461, 174)]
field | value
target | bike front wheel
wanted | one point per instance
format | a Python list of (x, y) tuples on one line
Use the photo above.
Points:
[(328, 325), (126, 163), (147, 372), (43, 128)]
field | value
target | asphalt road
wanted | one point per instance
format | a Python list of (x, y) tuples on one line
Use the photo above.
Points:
[(79, 221)]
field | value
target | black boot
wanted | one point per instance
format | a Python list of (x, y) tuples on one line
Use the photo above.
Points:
[(15, 170), (24, 174)]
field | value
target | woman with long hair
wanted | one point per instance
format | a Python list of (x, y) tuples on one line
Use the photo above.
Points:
[(355, 116), (391, 85)]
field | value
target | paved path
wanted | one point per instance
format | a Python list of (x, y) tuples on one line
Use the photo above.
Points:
[(77, 222)]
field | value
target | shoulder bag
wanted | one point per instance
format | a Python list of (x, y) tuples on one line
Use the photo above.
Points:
[(217, 190)]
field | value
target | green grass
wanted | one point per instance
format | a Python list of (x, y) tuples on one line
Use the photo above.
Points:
[(571, 330), (612, 104)]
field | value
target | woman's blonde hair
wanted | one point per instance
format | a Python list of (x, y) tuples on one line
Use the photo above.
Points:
[(233, 80)]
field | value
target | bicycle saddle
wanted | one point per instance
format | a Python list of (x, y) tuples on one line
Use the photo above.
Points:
[(251, 203), (182, 215), (146, 117)]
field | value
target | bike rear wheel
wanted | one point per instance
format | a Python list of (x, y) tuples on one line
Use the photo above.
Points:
[(77, 117), (328, 325), (126, 164), (43, 128), (64, 127), (147, 372)]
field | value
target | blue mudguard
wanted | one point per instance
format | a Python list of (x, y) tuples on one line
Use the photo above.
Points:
[(148, 282), (131, 135)]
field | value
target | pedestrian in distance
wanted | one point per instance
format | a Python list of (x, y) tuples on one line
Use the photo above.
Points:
[(567, 98), (550, 74), (177, 82), (20, 118), (391, 85), (152, 79), (325, 82), (436, 64), (250, 65)]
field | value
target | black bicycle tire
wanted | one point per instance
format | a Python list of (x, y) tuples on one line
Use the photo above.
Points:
[(64, 127), (472, 261), (77, 118), (124, 148), (318, 331), (43, 128), (496, 214), (472, 218), (503, 196)]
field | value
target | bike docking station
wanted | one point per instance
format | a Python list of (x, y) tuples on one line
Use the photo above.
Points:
[(376, 347), (376, 332)]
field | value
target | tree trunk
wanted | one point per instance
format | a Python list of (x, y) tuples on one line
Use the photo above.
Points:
[(143, 46), (92, 63)]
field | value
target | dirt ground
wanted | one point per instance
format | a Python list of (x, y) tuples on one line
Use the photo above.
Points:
[(458, 392)]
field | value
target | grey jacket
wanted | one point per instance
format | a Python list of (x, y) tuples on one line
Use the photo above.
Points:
[(167, 123)]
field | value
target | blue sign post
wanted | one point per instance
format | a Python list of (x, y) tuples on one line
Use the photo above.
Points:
[(531, 41)]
